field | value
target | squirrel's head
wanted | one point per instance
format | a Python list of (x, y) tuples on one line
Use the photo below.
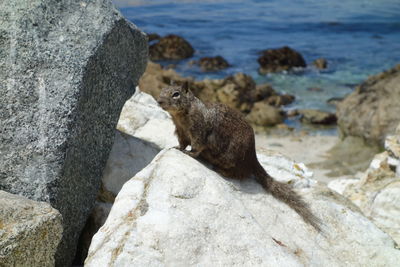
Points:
[(175, 98)]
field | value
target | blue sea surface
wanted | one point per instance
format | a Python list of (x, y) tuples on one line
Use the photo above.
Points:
[(357, 37)]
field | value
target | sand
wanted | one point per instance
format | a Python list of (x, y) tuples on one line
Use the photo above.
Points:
[(309, 149)]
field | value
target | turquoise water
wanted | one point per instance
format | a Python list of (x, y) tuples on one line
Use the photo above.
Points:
[(358, 38)]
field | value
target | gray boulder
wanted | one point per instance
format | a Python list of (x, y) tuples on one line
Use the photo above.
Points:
[(29, 231), (372, 111), (66, 69)]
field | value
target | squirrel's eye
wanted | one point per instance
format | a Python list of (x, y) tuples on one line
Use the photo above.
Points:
[(175, 95)]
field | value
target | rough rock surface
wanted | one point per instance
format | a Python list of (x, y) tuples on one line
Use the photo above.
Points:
[(30, 231), (170, 47), (156, 77), (372, 111), (66, 68), (280, 59), (280, 100), (317, 116), (377, 193), (264, 114), (177, 212), (213, 63)]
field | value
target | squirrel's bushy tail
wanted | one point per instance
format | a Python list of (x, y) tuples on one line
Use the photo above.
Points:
[(284, 192)]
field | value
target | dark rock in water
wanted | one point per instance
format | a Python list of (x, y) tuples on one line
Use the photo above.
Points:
[(313, 116), (320, 63), (238, 91), (261, 92), (213, 63), (153, 36), (280, 100), (263, 114), (372, 111), (281, 59), (67, 68), (171, 47), (334, 100)]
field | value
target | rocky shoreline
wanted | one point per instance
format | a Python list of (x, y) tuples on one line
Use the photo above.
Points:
[(89, 175), (261, 104)]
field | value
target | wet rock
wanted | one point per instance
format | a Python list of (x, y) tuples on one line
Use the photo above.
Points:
[(171, 47), (281, 59), (66, 67), (372, 111), (213, 63), (263, 91), (334, 100), (280, 100), (264, 114), (153, 37), (30, 231), (238, 91), (317, 116), (320, 63), (203, 219)]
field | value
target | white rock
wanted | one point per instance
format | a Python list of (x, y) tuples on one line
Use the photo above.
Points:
[(378, 195), (177, 212), (398, 170), (128, 156), (385, 211), (142, 117), (340, 185)]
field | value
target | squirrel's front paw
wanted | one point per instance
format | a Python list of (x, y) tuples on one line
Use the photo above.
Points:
[(193, 154)]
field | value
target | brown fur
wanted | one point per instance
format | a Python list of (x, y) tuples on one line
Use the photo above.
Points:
[(222, 137)]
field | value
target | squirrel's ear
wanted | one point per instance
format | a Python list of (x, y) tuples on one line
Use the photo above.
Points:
[(185, 86), (172, 83)]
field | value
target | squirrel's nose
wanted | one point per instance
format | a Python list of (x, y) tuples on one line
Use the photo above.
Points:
[(160, 102)]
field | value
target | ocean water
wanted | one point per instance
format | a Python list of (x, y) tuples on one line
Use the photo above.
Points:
[(357, 37)]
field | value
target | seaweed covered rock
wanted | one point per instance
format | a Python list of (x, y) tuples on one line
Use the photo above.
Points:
[(170, 47), (213, 63), (320, 63), (280, 59), (314, 116)]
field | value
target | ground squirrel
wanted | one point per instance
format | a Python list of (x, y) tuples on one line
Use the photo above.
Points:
[(221, 136)]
